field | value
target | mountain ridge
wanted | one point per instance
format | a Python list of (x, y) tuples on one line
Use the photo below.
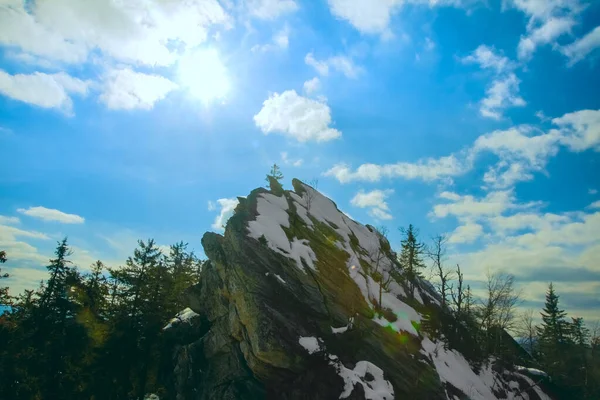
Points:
[(290, 306)]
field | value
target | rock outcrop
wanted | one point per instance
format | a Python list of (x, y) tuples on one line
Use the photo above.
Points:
[(289, 307)]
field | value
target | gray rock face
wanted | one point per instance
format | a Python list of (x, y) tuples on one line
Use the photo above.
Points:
[(293, 266)]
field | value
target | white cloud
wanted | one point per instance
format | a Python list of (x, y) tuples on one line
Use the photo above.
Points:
[(312, 85), (271, 9), (50, 214), (374, 198), (487, 58), (547, 33), (521, 150), (429, 169), (43, 90), (536, 247), (592, 191), (297, 117), (580, 130), (280, 41), (520, 154), (10, 233), (18, 250), (548, 20), (503, 93), (125, 89), (135, 32), (378, 213), (595, 205), (376, 201), (227, 208), (467, 207), (466, 233), (368, 16), (340, 63), (287, 161), (373, 16), (4, 220), (580, 48)]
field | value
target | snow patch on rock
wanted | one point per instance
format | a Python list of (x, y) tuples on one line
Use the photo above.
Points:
[(310, 343), (183, 316), (272, 216), (369, 376)]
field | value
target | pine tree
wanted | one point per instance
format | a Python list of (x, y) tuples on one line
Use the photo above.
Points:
[(553, 334), (54, 301), (274, 180), (275, 173), (553, 329), (411, 256), (4, 298)]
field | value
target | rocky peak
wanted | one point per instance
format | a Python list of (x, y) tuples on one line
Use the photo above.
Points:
[(290, 307)]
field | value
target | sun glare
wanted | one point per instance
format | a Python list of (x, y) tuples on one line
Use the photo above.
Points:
[(204, 75)]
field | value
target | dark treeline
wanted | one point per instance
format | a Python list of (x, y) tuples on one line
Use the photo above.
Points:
[(93, 335)]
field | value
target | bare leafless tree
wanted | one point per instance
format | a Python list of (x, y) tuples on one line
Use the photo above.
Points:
[(498, 309), (458, 294), (310, 194), (526, 329), (377, 255), (437, 252)]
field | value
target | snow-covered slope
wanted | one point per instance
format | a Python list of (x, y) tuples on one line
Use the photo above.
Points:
[(294, 286)]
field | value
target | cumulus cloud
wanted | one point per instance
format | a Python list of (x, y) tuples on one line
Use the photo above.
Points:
[(503, 91), (501, 94), (548, 21), (580, 48), (312, 85), (487, 58), (280, 41), (467, 207), (4, 220), (68, 31), (547, 33), (50, 214), (520, 238), (12, 241), (43, 90), (271, 9), (375, 200), (227, 208), (373, 16), (429, 169), (521, 151), (125, 89), (339, 63), (297, 117), (466, 233), (595, 205), (580, 130)]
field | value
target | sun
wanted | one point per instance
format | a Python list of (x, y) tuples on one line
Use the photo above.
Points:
[(204, 75)]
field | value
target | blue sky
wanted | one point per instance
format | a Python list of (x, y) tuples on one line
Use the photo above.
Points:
[(477, 119)]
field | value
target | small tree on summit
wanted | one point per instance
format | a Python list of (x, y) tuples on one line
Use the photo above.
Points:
[(274, 179), (275, 174)]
